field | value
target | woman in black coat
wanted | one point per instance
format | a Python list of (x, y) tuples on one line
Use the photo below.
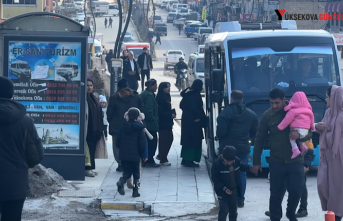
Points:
[(192, 123), (95, 126), (166, 116)]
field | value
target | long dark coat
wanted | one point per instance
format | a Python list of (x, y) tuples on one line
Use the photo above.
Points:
[(192, 109), (131, 79)]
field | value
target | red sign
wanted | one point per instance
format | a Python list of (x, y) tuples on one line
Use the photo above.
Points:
[(338, 38), (137, 46)]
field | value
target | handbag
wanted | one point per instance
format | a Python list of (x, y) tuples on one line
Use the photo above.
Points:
[(101, 149)]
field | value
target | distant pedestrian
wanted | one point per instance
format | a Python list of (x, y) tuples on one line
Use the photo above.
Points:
[(118, 104), (124, 55), (166, 115), (103, 60), (192, 124), (145, 65), (110, 22), (179, 27), (105, 22), (95, 128), (225, 174), (20, 149), (103, 103), (209, 18), (214, 24), (108, 59), (158, 38), (131, 142), (236, 126), (151, 119), (131, 71)]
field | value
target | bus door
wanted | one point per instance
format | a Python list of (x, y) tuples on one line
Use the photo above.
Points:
[(215, 72)]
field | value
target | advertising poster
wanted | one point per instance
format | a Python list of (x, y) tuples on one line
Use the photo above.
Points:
[(47, 82), (44, 61)]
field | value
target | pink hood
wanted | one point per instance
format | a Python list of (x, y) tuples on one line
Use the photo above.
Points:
[(299, 100), (331, 137)]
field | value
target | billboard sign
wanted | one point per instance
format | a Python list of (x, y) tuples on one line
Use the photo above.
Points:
[(47, 81)]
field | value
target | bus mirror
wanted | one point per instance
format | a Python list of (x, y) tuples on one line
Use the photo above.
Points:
[(218, 80)]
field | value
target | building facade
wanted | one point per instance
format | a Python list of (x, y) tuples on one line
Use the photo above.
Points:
[(12, 8)]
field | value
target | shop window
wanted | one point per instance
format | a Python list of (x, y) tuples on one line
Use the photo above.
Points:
[(20, 2)]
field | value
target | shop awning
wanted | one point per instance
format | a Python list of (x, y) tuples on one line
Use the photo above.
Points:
[(336, 6)]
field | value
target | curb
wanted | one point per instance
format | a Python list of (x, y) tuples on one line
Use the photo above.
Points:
[(136, 206)]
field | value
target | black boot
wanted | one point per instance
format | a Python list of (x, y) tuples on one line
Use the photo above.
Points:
[(135, 192), (337, 218), (120, 185)]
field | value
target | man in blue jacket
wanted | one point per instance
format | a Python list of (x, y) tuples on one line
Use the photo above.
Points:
[(20, 149)]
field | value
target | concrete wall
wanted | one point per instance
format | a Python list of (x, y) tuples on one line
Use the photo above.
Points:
[(304, 7), (9, 11)]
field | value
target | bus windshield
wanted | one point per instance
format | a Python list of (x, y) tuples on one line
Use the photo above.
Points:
[(260, 69)]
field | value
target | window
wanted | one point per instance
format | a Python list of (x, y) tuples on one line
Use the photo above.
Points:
[(20, 2), (13, 65), (200, 65)]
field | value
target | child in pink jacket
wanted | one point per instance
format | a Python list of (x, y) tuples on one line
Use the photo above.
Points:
[(300, 118)]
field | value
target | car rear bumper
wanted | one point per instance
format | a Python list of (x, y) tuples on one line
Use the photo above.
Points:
[(170, 63)]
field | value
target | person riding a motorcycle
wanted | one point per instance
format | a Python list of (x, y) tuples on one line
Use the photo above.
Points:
[(179, 66)]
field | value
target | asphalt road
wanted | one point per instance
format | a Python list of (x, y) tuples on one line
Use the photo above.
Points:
[(257, 193)]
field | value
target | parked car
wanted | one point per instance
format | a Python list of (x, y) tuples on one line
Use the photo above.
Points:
[(164, 4), (79, 6), (158, 19), (193, 27), (128, 37), (172, 57), (202, 30), (196, 69), (161, 28), (20, 69), (68, 70), (170, 3), (171, 17)]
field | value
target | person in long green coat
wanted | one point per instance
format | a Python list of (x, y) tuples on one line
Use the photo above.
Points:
[(151, 119)]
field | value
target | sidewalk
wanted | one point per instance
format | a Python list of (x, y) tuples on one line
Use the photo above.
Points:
[(166, 191)]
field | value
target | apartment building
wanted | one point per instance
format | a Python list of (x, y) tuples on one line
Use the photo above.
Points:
[(11, 8)]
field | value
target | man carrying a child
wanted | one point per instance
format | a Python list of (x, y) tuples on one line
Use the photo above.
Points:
[(283, 169)]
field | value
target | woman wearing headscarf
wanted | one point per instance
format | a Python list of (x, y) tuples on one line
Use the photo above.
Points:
[(192, 123), (95, 126), (329, 179), (166, 116)]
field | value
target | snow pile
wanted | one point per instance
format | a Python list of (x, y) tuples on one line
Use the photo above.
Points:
[(45, 181)]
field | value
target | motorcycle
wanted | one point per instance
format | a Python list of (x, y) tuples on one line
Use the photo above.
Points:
[(182, 83)]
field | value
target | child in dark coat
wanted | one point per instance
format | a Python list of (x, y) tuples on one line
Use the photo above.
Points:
[(131, 142), (225, 174)]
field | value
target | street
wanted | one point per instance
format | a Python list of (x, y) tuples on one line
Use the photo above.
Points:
[(257, 193)]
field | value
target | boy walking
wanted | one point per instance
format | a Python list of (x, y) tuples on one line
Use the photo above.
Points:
[(132, 145), (225, 174)]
